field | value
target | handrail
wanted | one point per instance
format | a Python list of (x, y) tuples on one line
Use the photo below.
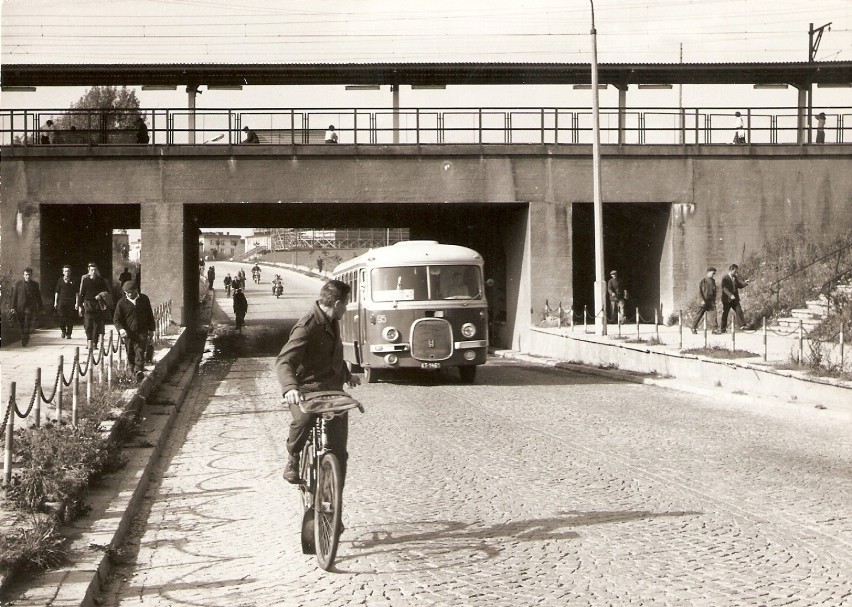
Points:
[(774, 286), (421, 126), (162, 320)]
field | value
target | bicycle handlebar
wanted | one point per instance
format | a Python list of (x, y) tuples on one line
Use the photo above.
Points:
[(329, 401)]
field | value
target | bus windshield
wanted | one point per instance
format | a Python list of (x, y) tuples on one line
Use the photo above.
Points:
[(426, 283)]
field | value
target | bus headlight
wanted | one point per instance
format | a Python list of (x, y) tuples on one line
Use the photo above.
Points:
[(468, 330), (391, 359), (390, 334), (469, 354)]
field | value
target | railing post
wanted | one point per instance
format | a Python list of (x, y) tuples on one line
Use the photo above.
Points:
[(355, 127), (585, 323), (765, 342), (417, 124), (542, 126), (90, 363), (637, 322), (75, 382), (841, 346), (111, 358), (734, 335), (480, 126), (801, 343), (61, 387), (37, 409), (10, 433)]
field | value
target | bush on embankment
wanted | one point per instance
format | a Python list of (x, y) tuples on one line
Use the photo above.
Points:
[(55, 466)]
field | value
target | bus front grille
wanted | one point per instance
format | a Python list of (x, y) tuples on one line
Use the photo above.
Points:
[(431, 339)]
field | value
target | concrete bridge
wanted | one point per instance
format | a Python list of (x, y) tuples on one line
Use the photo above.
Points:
[(669, 210)]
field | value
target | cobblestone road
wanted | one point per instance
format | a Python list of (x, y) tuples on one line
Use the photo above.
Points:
[(537, 486)]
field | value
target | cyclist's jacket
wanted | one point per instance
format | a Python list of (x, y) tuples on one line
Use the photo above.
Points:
[(312, 359)]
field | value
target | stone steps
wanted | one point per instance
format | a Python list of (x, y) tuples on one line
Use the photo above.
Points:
[(812, 315)]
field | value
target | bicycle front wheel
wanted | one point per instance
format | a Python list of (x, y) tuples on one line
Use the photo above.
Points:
[(328, 510)]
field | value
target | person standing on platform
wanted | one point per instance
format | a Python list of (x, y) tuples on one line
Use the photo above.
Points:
[(134, 319), (251, 136), (64, 301), (141, 132), (330, 135), (820, 128), (739, 129), (26, 304), (88, 306)]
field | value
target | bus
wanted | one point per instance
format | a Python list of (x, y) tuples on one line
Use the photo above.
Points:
[(415, 304)]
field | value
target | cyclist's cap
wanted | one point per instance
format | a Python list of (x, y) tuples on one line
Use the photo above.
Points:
[(711, 269)]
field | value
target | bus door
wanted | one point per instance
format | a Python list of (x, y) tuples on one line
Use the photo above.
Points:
[(361, 331)]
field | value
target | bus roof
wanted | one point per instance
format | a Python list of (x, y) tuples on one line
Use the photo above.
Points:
[(410, 252)]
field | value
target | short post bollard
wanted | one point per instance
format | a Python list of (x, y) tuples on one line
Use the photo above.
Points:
[(704, 320), (637, 323), (801, 344), (734, 337), (585, 319), (37, 410), (90, 364), (10, 433), (60, 386), (765, 343), (75, 392), (657, 323), (680, 329)]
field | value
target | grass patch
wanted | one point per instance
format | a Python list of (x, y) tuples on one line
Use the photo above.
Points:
[(721, 352)]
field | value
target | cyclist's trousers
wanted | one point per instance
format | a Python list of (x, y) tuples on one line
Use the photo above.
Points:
[(337, 430)]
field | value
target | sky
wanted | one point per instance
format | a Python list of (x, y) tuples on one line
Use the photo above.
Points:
[(357, 31)]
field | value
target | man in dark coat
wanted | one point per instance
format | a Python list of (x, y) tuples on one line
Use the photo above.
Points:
[(26, 304), (65, 301), (240, 307), (134, 319), (707, 293), (312, 361), (731, 285), (615, 290), (89, 306)]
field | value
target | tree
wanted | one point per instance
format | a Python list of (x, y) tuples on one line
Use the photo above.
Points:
[(104, 114)]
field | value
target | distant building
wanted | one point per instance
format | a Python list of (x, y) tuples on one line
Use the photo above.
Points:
[(218, 246)]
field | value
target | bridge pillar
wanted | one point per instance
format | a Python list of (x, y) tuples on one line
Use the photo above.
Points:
[(164, 263)]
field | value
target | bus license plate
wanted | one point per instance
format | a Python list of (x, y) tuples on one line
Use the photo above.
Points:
[(430, 365)]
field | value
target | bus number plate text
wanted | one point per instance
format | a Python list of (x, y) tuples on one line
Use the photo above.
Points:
[(430, 365)]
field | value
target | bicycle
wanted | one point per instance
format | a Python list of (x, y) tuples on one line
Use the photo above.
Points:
[(321, 485)]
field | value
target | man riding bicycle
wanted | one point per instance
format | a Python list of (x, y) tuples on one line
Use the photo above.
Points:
[(312, 361)]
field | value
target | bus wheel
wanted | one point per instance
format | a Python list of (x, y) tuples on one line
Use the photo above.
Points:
[(371, 375), (467, 374)]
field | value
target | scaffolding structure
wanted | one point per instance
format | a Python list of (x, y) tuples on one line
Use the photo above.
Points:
[(292, 239)]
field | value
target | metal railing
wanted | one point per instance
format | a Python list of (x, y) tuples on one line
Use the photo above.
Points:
[(106, 359), (647, 331), (422, 126)]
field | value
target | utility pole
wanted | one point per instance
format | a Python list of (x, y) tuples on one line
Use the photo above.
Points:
[(813, 45), (600, 285)]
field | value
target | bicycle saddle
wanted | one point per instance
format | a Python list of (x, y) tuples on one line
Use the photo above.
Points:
[(330, 401)]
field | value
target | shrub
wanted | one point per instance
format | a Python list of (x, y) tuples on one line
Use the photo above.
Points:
[(33, 548)]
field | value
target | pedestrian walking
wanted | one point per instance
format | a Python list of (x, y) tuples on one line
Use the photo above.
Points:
[(134, 320), (211, 277), (124, 277), (615, 291), (739, 129), (92, 304), (26, 305), (227, 282), (707, 293), (64, 302), (240, 307), (311, 361), (731, 285)]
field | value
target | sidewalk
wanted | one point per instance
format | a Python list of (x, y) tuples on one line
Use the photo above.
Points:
[(677, 357)]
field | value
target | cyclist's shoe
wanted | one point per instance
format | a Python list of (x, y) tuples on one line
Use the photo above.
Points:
[(291, 472)]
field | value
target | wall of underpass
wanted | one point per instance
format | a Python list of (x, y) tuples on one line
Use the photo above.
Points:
[(514, 203)]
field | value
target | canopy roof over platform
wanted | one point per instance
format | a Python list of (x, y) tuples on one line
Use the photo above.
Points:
[(424, 74)]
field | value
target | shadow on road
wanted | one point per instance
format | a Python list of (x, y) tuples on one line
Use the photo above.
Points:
[(434, 537)]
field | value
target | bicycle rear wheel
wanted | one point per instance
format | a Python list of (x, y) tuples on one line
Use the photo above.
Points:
[(328, 510)]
